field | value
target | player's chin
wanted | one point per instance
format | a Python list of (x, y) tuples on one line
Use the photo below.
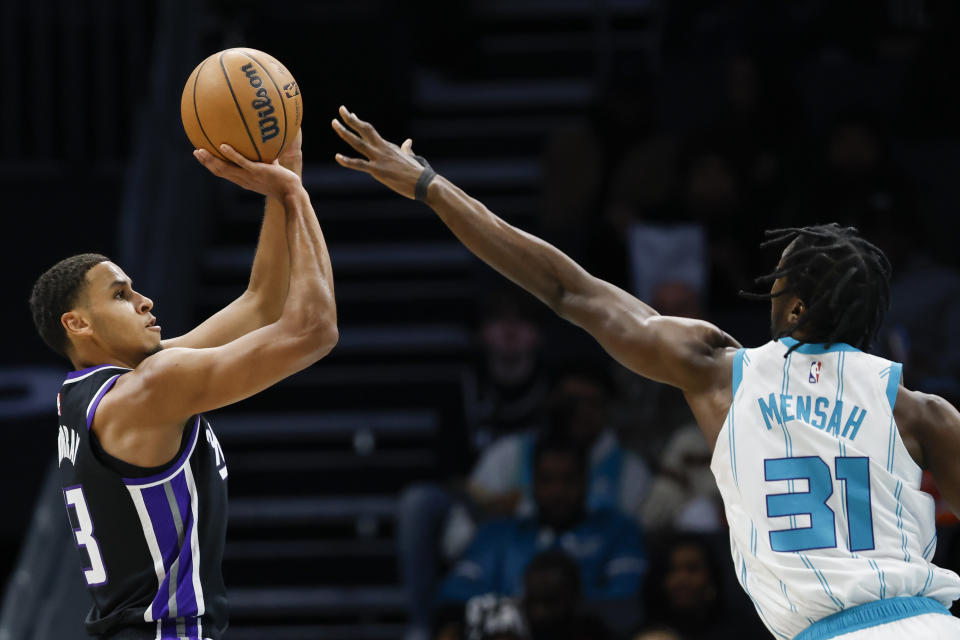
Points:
[(154, 343)]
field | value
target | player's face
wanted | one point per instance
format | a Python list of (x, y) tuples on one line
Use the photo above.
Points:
[(778, 322), (119, 316)]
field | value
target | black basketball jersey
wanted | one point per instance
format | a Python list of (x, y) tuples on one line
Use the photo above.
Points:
[(151, 540)]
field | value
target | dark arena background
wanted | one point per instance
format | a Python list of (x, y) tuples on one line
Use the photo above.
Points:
[(652, 140)]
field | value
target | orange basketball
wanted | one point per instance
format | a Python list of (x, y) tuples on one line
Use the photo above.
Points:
[(245, 98)]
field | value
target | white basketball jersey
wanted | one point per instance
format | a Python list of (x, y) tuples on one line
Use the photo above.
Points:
[(822, 497)]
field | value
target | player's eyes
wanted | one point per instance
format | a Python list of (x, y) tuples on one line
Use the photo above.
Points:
[(119, 295)]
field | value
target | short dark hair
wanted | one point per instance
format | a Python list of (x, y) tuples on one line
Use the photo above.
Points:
[(843, 280), (56, 292)]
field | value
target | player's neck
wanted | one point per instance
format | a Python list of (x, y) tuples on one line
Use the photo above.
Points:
[(87, 358)]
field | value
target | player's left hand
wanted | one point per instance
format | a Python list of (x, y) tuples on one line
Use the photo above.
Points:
[(269, 179), (392, 165)]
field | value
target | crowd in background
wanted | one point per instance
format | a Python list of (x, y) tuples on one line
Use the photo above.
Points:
[(591, 511)]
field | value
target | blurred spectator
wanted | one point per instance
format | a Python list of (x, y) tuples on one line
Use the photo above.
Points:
[(684, 494), (607, 546), (577, 410), (668, 266), (501, 483), (552, 600), (684, 591), (492, 617), (512, 385)]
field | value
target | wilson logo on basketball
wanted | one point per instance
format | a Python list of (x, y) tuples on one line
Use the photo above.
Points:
[(269, 127)]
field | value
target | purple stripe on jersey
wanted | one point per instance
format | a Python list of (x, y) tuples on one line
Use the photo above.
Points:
[(192, 629), (161, 519), (173, 468), (96, 401), (186, 597), (168, 629), (164, 528), (160, 607), (155, 498), (182, 493), (83, 372)]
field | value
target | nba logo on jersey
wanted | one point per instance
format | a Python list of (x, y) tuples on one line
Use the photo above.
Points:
[(815, 371)]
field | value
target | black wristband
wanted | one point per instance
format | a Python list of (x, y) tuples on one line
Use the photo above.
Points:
[(426, 177)]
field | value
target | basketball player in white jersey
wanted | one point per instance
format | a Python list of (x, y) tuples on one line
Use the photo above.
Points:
[(817, 446)]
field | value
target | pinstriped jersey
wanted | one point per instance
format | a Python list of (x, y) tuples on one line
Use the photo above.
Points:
[(822, 497), (150, 540)]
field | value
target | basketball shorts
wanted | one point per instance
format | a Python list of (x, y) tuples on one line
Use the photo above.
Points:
[(911, 618)]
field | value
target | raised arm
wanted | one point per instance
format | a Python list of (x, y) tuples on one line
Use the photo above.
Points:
[(684, 353), (262, 300), (139, 420)]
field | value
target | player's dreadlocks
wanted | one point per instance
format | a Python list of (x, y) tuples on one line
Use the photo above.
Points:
[(843, 280)]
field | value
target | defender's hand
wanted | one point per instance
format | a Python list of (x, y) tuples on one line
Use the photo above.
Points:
[(267, 179), (392, 165)]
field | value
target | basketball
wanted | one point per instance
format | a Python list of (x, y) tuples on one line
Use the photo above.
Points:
[(245, 98)]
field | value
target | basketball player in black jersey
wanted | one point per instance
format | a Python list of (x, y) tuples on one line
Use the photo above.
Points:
[(144, 478)]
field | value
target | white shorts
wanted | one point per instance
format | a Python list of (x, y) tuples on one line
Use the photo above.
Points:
[(929, 625)]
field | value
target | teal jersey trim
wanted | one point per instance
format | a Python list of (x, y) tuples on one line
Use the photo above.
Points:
[(737, 371), (893, 383), (817, 349), (869, 615)]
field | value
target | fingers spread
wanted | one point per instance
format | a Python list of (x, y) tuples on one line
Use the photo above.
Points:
[(365, 129), (352, 163), (351, 138)]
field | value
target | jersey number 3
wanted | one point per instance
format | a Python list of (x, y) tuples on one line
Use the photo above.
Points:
[(853, 472), (97, 573)]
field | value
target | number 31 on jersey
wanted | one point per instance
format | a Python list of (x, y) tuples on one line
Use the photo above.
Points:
[(852, 472)]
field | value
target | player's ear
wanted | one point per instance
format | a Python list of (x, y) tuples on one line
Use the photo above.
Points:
[(797, 309), (75, 323)]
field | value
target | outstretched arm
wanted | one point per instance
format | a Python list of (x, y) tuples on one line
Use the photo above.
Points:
[(678, 351), (261, 302)]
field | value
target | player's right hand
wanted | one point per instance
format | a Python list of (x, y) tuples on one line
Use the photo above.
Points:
[(268, 179)]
